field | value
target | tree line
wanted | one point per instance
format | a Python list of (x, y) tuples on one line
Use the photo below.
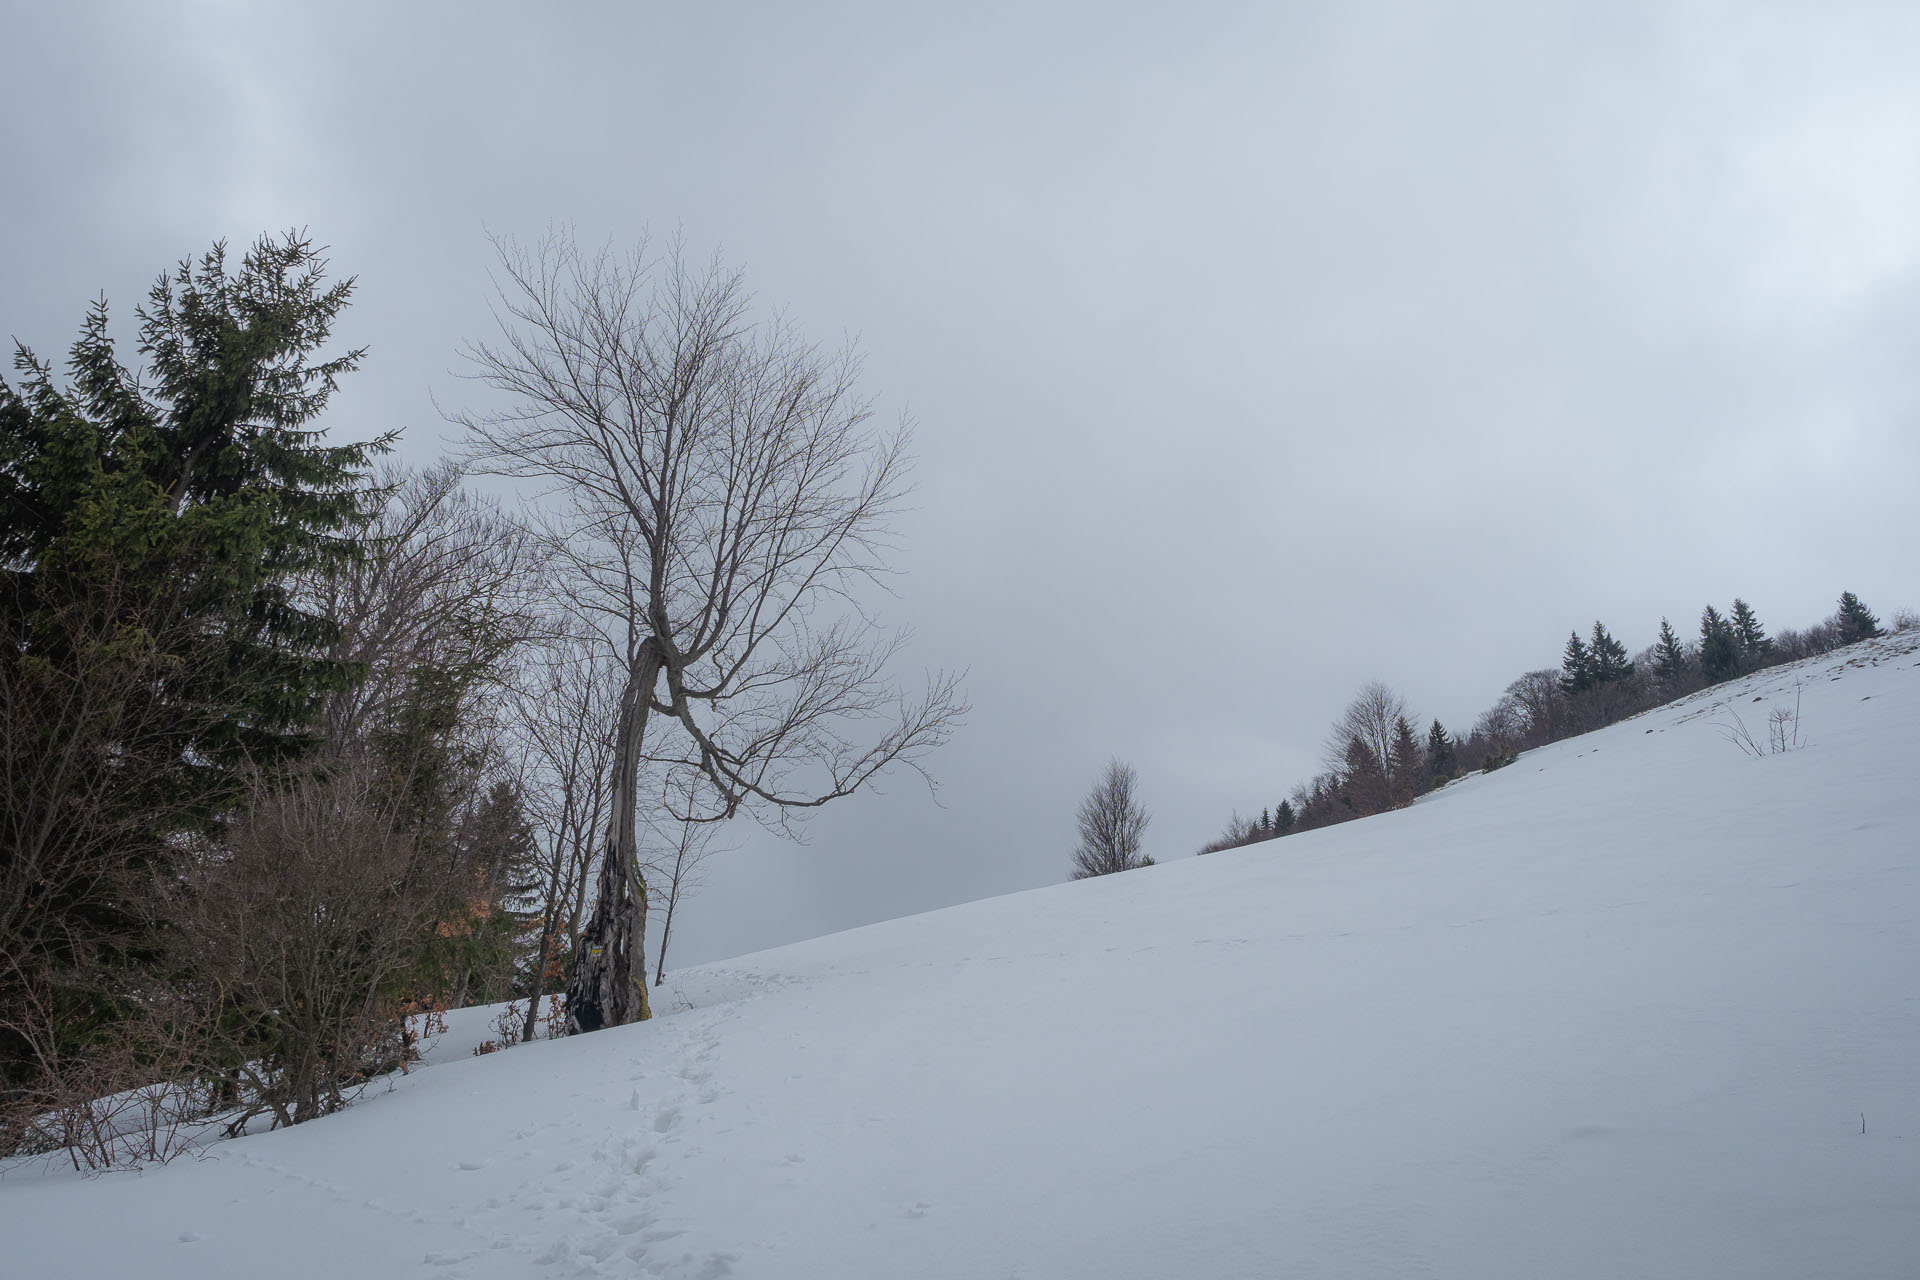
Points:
[(1375, 759), (299, 745)]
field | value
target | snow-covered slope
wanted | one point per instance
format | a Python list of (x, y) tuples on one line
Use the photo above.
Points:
[(1618, 1010)]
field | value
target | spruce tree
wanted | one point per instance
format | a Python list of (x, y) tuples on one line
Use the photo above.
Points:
[(1576, 667), (1719, 647), (154, 527), (202, 479), (1755, 647), (1404, 763), (1669, 657), (1440, 755), (1854, 621), (1283, 818), (1607, 658)]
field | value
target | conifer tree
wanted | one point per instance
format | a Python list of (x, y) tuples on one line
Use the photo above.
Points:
[(1283, 819), (1576, 667), (1405, 765), (1719, 647), (203, 477), (1669, 657), (1440, 755), (1755, 647), (154, 528), (1853, 620), (1608, 657)]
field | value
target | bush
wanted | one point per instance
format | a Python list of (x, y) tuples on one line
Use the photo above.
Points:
[(293, 938)]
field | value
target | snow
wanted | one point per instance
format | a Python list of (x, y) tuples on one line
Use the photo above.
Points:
[(1616, 1010)]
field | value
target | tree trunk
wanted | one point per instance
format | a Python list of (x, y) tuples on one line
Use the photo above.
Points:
[(666, 929), (539, 984), (608, 987)]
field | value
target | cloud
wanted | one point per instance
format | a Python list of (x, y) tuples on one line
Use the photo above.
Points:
[(1255, 354)]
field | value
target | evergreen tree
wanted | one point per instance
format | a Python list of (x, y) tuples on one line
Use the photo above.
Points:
[(1440, 755), (1266, 822), (1607, 658), (1719, 647), (1755, 647), (203, 481), (1283, 819), (1406, 766), (1669, 657), (1854, 621), (154, 528), (482, 941), (1576, 667)]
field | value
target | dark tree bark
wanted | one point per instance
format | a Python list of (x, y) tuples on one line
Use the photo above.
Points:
[(608, 987)]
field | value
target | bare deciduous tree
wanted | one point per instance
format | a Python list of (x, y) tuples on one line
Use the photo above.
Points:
[(716, 495), (681, 847), (1112, 821), (1369, 719), (1541, 703), (438, 561), (565, 703), (293, 932), (1239, 832)]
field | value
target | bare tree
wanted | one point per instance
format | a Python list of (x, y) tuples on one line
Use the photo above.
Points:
[(293, 932), (1238, 833), (1369, 720), (433, 617), (1111, 821), (716, 496), (1501, 726), (682, 846), (565, 703), (1542, 705), (438, 561)]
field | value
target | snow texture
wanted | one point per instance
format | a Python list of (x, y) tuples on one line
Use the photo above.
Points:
[(1620, 1009)]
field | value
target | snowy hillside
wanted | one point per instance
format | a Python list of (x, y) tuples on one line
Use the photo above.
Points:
[(1615, 1011)]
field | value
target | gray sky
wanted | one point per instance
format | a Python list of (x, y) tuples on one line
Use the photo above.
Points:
[(1256, 351)]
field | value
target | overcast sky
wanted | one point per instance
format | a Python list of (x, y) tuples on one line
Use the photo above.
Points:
[(1256, 351)]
